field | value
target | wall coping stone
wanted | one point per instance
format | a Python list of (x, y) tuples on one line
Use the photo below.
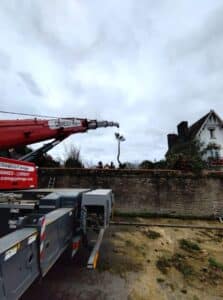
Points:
[(129, 172)]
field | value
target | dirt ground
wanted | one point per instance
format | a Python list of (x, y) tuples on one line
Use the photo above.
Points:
[(143, 263)]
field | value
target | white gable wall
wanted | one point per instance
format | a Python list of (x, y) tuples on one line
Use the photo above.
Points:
[(204, 136)]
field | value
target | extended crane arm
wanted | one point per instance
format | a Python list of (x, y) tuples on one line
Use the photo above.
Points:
[(14, 133), (34, 155), (21, 174)]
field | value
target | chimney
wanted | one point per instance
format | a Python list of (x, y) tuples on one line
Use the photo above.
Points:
[(172, 140), (183, 130)]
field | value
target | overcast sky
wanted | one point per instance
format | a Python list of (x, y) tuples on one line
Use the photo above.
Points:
[(146, 64)]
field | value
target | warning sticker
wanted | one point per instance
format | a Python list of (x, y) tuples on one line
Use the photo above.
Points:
[(10, 252), (31, 239)]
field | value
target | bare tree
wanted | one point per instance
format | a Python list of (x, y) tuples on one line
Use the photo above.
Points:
[(73, 159)]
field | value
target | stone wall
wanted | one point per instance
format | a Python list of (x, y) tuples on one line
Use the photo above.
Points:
[(156, 192)]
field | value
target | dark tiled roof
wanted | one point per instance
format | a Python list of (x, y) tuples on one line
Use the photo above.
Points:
[(194, 128)]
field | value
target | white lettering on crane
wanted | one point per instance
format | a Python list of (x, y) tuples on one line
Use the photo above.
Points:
[(66, 123), (5, 178), (18, 167)]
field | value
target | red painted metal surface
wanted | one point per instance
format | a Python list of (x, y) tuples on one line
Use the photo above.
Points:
[(14, 133), (16, 174)]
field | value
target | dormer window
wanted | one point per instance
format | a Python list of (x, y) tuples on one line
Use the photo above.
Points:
[(212, 133)]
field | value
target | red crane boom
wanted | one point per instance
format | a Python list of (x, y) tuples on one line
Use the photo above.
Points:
[(17, 174), (15, 133)]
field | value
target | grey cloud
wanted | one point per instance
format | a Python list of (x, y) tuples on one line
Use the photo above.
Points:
[(5, 61), (204, 37), (30, 83)]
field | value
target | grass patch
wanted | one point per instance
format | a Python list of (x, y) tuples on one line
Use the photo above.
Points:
[(129, 243), (177, 261), (139, 248), (215, 264), (181, 265), (153, 235), (163, 264), (160, 280), (189, 246)]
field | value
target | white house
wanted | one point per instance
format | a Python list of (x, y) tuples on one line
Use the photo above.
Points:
[(208, 131)]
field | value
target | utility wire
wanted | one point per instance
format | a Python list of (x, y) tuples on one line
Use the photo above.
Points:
[(24, 114)]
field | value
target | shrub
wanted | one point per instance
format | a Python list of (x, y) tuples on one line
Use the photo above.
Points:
[(181, 265), (152, 234), (177, 261), (215, 264), (186, 156), (163, 264), (189, 246), (146, 164)]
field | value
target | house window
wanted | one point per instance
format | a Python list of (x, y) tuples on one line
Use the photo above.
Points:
[(212, 153), (212, 133), (217, 155)]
